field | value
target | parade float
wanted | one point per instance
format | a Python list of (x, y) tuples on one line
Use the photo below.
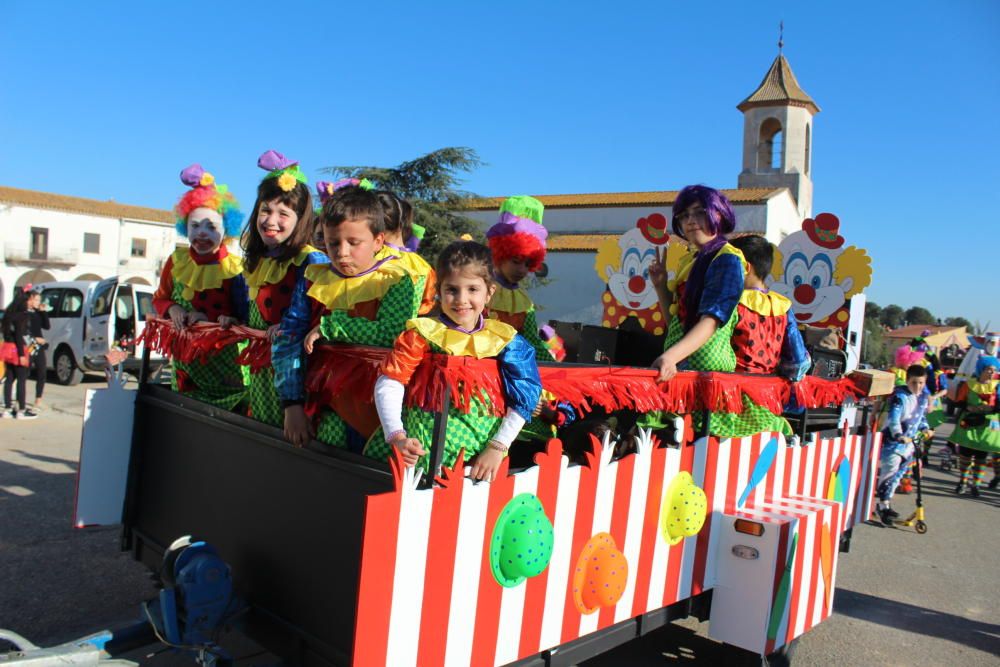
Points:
[(339, 559)]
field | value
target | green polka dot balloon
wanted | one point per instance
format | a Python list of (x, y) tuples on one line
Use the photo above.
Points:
[(521, 545)]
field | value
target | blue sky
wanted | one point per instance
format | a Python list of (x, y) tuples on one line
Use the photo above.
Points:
[(111, 100)]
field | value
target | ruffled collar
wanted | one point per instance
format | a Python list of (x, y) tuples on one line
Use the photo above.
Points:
[(488, 341), (338, 292), (270, 271), (510, 300), (451, 324), (198, 273), (766, 303)]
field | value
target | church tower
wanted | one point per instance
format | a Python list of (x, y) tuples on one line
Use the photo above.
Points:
[(777, 135)]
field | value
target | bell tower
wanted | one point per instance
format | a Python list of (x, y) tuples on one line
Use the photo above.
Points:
[(777, 135)]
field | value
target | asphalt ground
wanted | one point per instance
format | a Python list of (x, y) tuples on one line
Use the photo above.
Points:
[(902, 598)]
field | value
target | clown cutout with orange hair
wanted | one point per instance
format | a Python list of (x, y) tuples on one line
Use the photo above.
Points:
[(517, 243), (204, 283)]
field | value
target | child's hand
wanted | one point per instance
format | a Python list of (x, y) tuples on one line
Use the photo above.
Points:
[(177, 316), (410, 448), (666, 367), (225, 321), (538, 408), (486, 464), (929, 433), (658, 269), (298, 428), (273, 332), (195, 316), (311, 339)]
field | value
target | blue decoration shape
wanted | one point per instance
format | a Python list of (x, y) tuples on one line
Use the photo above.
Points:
[(760, 469)]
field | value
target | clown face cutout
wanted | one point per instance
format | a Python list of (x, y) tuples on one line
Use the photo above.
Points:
[(818, 274), (629, 281), (204, 230)]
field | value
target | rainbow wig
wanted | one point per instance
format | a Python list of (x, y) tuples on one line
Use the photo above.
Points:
[(721, 218), (206, 193), (519, 232)]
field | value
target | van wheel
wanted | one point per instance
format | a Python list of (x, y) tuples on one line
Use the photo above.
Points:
[(67, 372)]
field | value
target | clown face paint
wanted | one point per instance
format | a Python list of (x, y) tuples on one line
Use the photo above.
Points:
[(204, 230), (464, 295), (351, 246), (275, 222), (515, 269)]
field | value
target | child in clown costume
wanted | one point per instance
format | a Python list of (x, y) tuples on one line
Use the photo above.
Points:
[(276, 254), (362, 297), (977, 431), (203, 282), (398, 227), (699, 304), (465, 285), (517, 242)]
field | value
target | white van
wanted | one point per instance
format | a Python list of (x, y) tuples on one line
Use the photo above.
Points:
[(86, 317)]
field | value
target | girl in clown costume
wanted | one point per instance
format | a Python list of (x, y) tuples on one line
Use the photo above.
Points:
[(465, 285), (517, 242), (276, 254), (398, 227), (203, 282), (977, 431)]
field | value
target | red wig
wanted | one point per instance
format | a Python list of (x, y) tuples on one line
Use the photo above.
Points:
[(518, 245)]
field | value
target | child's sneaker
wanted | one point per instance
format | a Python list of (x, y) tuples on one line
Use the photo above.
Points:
[(7, 413), (891, 512), (883, 514), (974, 491), (960, 489), (993, 482), (27, 413)]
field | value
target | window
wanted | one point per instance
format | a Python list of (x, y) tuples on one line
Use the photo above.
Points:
[(145, 300), (808, 147), (138, 247), (102, 300), (91, 243), (72, 304), (769, 148), (50, 298), (39, 243)]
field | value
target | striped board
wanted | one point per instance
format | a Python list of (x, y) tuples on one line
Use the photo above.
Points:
[(428, 594)]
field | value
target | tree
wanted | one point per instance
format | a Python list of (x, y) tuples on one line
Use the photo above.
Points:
[(873, 310), (875, 350), (430, 183), (892, 316), (918, 315), (958, 322)]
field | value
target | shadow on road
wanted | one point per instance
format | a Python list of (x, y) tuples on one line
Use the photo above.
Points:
[(919, 620)]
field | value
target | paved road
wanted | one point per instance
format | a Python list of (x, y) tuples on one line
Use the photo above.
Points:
[(902, 598)]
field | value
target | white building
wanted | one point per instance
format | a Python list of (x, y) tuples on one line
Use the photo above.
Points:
[(773, 198), (49, 237)]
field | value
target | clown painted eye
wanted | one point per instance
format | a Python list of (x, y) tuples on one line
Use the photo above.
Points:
[(631, 272), (815, 282), (797, 280)]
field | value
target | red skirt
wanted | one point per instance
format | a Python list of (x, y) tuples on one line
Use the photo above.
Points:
[(8, 354)]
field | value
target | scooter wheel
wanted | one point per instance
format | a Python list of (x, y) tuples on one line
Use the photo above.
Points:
[(920, 527)]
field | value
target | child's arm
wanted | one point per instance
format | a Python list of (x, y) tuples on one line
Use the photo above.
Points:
[(163, 298), (396, 307), (795, 359), (892, 420), (397, 369)]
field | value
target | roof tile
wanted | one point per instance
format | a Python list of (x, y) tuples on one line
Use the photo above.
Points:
[(109, 209)]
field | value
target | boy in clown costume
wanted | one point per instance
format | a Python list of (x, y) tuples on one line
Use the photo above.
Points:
[(517, 242), (276, 254), (465, 285), (203, 282), (363, 296)]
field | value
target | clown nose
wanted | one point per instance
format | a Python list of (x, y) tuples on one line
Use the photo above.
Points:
[(636, 284), (805, 293)]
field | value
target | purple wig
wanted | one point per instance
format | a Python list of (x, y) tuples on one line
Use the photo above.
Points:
[(721, 218)]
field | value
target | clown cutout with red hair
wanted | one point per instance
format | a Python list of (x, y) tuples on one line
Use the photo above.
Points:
[(202, 282), (517, 243)]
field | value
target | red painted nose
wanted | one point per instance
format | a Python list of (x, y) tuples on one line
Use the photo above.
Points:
[(636, 284), (805, 293)]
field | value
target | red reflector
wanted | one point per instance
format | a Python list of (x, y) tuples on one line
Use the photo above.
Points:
[(749, 527)]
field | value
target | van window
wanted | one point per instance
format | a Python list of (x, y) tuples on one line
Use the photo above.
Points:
[(145, 300), (123, 305), (102, 301), (51, 297), (72, 303)]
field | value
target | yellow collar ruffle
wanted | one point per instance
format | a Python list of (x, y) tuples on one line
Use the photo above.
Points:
[(483, 344), (269, 271), (982, 388), (414, 264), (514, 301), (199, 277), (768, 304), (337, 293), (687, 261)]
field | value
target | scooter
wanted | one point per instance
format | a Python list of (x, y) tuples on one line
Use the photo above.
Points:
[(916, 520)]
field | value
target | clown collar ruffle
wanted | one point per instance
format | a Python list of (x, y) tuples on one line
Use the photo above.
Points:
[(343, 293), (507, 300), (768, 304), (197, 276), (485, 343), (270, 271)]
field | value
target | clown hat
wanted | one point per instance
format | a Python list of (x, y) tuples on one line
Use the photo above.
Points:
[(521, 545), (280, 167), (684, 510), (206, 193), (824, 230), (600, 575), (519, 232)]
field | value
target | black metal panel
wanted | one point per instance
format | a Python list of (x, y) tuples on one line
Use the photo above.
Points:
[(593, 644), (289, 521)]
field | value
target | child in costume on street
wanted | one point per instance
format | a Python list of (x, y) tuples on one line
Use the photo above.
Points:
[(465, 286), (362, 297), (398, 228), (517, 242), (977, 430), (276, 254), (204, 282), (907, 417), (699, 303)]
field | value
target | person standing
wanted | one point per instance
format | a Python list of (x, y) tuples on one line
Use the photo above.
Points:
[(38, 321), (14, 353)]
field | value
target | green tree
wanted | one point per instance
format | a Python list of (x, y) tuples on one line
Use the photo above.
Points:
[(872, 310), (430, 183), (918, 315), (892, 316), (875, 349), (958, 322)]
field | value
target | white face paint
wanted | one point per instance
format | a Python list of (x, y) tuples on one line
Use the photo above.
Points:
[(204, 230)]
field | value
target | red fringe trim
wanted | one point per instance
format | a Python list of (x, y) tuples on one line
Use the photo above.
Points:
[(200, 341), (337, 368)]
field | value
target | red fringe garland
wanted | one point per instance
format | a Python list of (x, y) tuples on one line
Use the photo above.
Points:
[(334, 369), (198, 342)]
